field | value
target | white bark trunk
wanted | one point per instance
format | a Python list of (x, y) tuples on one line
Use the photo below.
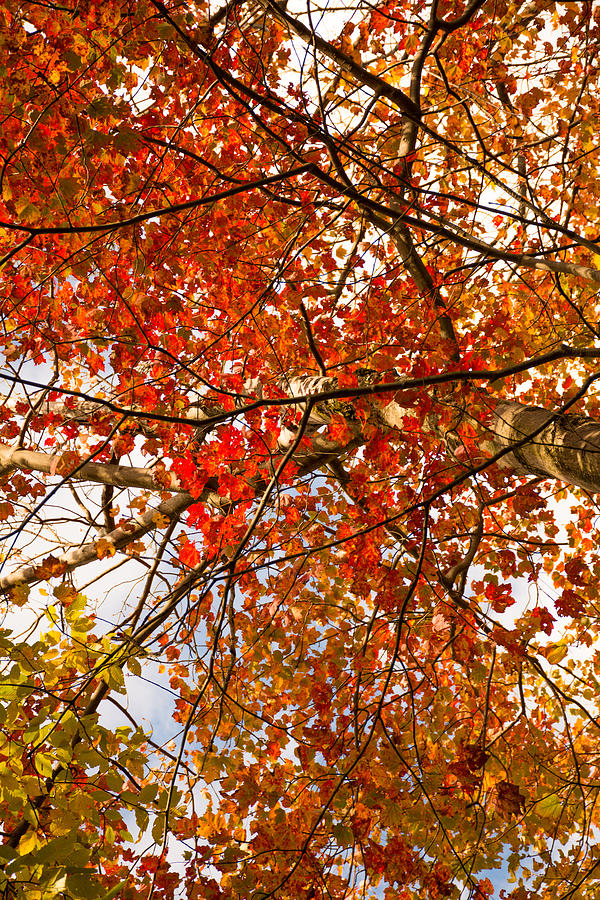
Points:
[(119, 538), (567, 447), (102, 473)]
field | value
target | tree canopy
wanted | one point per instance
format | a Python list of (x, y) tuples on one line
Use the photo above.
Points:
[(299, 450)]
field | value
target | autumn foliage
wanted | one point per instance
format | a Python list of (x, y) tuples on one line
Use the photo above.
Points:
[(298, 450)]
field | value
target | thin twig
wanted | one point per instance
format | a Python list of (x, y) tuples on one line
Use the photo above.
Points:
[(311, 341)]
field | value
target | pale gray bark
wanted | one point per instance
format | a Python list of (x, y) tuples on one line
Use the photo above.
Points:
[(322, 450), (102, 473), (567, 447), (119, 538)]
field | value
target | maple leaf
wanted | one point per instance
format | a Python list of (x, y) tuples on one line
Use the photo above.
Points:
[(509, 800), (326, 523), (544, 618), (576, 570), (104, 548), (570, 604), (189, 554), (500, 596), (50, 567)]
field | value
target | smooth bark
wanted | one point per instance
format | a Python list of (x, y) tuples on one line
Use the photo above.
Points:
[(103, 473), (118, 539), (568, 448)]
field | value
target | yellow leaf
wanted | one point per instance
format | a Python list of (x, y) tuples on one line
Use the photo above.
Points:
[(550, 807), (104, 548)]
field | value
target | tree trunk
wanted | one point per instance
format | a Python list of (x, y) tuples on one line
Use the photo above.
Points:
[(567, 448)]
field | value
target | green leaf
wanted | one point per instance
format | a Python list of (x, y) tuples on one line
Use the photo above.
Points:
[(114, 891)]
